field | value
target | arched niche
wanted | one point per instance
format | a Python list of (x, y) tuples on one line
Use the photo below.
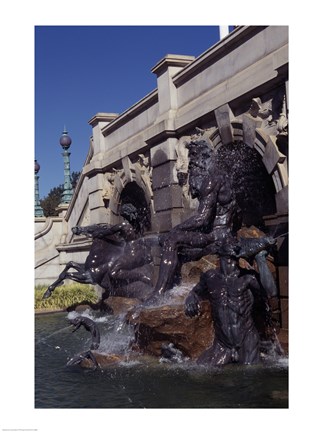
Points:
[(245, 138), (135, 195), (131, 185)]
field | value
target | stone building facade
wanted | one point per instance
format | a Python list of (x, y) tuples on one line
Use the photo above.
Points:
[(235, 92)]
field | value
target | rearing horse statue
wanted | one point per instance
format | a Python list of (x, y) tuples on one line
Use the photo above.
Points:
[(119, 260)]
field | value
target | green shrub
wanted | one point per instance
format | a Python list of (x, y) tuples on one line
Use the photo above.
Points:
[(64, 296)]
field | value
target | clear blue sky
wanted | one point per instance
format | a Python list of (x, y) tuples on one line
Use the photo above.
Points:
[(83, 70)]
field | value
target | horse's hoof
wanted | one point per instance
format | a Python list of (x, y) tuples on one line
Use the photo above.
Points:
[(47, 294)]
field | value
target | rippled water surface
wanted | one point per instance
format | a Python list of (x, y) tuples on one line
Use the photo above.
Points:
[(137, 384)]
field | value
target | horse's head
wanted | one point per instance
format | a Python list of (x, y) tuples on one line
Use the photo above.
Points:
[(77, 230)]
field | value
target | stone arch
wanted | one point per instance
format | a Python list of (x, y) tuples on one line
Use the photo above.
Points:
[(135, 195), (249, 130), (131, 185)]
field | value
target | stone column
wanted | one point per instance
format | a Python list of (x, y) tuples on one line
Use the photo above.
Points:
[(94, 171), (167, 193), (98, 122), (165, 69), (98, 211)]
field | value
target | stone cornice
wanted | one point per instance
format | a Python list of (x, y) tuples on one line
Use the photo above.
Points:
[(171, 60), (92, 169), (102, 117), (153, 135), (238, 36), (133, 111)]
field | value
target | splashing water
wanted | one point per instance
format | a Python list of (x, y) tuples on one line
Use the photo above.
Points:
[(43, 339), (88, 314), (142, 382), (173, 297), (282, 362), (116, 336)]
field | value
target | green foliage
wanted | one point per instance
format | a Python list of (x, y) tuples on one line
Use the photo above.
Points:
[(65, 296), (53, 199)]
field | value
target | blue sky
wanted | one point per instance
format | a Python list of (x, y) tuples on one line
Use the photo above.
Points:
[(83, 70)]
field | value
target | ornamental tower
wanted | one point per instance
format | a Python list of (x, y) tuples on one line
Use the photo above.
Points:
[(38, 209), (65, 142)]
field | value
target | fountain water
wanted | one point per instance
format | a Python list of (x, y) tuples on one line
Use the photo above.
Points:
[(43, 339), (142, 381)]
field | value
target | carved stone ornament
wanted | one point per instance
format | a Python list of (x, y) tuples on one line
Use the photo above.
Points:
[(143, 163), (272, 113), (108, 187)]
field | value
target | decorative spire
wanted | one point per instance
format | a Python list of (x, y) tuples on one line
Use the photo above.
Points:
[(38, 209), (65, 142)]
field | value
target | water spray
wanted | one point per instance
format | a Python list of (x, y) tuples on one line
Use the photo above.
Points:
[(52, 334)]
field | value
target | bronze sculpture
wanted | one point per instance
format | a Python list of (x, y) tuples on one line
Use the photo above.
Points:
[(91, 327), (203, 232), (118, 257), (231, 294), (120, 253)]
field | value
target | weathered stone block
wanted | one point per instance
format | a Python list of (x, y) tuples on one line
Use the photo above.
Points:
[(95, 200), (250, 124), (166, 220), (98, 215), (163, 152), (223, 120), (167, 198), (282, 200), (261, 140), (237, 130), (272, 156), (283, 172), (95, 182), (128, 168), (164, 175)]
